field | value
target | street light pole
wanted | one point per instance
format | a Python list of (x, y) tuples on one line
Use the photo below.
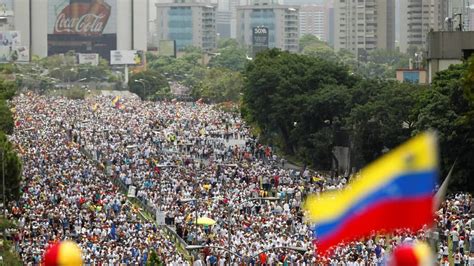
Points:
[(3, 182)]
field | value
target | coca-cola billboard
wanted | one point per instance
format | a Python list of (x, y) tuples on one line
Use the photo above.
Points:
[(83, 26)]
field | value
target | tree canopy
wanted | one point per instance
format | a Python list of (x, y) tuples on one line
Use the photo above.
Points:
[(220, 85), (149, 85), (302, 103), (9, 161)]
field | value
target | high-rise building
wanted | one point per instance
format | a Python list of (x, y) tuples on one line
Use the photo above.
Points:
[(188, 23), (314, 20), (471, 18), (224, 23), (331, 23), (459, 11), (282, 22), (418, 18), (226, 18), (364, 25)]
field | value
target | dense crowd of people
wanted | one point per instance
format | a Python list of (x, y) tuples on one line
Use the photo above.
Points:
[(65, 195), (187, 161)]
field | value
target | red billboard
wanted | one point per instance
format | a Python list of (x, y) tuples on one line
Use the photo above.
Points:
[(82, 26)]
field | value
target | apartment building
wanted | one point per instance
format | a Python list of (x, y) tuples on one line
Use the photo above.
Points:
[(314, 20), (188, 23), (282, 22), (364, 25), (418, 18)]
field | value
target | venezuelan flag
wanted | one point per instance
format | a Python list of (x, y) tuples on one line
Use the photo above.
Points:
[(396, 191), (115, 100)]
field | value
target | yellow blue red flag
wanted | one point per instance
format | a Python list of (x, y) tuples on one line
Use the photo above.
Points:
[(115, 100), (396, 191)]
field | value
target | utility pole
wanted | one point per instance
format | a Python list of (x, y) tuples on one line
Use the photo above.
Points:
[(3, 191), (3, 182)]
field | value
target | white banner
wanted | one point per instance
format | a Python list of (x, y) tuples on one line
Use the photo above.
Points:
[(160, 217), (132, 190), (10, 38), (91, 59), (126, 57), (14, 54)]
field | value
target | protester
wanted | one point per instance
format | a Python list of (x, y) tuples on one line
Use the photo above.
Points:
[(186, 160)]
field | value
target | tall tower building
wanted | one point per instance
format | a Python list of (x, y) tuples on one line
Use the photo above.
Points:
[(364, 25), (314, 20), (459, 11), (188, 23), (282, 22), (417, 18)]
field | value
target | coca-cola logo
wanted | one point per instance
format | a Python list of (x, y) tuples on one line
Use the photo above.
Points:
[(84, 19)]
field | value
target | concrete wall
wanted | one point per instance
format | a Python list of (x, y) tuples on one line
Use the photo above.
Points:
[(449, 45), (124, 25), (140, 22), (39, 28), (381, 17), (22, 20), (403, 41), (197, 26), (436, 65), (446, 48)]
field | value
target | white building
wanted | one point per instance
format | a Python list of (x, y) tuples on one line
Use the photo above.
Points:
[(364, 25), (282, 22), (418, 18), (188, 23), (314, 20)]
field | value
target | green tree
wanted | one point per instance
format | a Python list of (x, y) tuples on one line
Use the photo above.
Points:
[(321, 51), (9, 257), (468, 81), (227, 43), (297, 101), (187, 69), (446, 108), (8, 68), (10, 166), (149, 84), (313, 46), (310, 40), (232, 58), (154, 259), (92, 73), (7, 89), (388, 57), (383, 120), (6, 119), (220, 85)]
